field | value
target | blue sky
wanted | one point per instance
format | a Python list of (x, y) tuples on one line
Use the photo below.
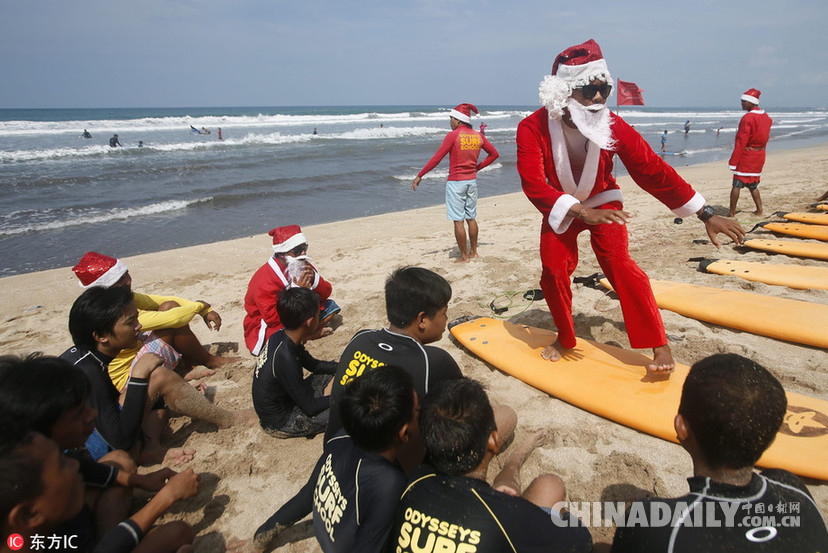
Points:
[(154, 53)]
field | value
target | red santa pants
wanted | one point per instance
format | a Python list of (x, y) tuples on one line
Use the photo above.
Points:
[(559, 256)]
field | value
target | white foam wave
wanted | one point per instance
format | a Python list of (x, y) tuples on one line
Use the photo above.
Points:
[(442, 174), (91, 217)]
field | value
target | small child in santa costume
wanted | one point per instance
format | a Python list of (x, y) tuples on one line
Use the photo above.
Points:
[(290, 266)]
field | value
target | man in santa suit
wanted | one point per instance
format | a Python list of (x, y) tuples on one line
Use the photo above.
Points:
[(463, 144), (748, 156), (288, 267), (564, 157)]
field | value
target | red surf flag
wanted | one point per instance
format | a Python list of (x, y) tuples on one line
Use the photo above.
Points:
[(629, 94)]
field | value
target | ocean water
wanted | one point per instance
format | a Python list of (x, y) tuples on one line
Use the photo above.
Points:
[(62, 195)]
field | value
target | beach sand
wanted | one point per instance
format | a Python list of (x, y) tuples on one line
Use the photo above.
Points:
[(246, 474)]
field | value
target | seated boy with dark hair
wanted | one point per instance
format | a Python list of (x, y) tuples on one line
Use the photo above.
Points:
[(40, 489), (730, 411), (59, 412), (288, 404), (448, 506), (358, 484), (102, 322)]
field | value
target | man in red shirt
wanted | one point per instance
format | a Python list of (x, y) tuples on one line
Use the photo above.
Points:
[(463, 144), (748, 156), (565, 156)]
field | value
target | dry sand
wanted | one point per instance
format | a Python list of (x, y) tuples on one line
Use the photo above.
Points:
[(246, 474)]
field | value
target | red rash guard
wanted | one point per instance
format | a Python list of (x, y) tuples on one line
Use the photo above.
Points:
[(463, 145)]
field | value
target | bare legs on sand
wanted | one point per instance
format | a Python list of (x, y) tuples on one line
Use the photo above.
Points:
[(734, 199), (545, 491), (466, 252)]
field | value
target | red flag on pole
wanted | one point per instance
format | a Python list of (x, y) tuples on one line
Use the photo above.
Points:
[(629, 94)]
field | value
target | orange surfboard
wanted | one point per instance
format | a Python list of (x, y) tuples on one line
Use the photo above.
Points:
[(610, 382)]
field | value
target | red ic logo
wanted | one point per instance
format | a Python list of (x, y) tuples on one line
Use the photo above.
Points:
[(15, 542)]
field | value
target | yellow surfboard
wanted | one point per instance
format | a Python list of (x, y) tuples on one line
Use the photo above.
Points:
[(611, 382), (796, 248), (801, 277), (796, 321), (823, 207), (813, 218), (818, 232)]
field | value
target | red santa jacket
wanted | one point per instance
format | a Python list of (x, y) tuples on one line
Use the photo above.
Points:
[(463, 145), (262, 320), (543, 186), (749, 152)]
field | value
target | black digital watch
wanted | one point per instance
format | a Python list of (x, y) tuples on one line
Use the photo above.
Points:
[(706, 213)]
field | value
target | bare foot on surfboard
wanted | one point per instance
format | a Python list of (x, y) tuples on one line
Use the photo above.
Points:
[(663, 363), (553, 352)]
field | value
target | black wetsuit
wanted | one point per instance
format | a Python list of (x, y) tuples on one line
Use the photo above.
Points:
[(283, 399), (369, 349), (456, 513), (118, 425), (720, 517), (354, 499), (113, 142)]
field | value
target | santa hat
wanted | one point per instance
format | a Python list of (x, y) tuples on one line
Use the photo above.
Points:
[(463, 112), (286, 238), (751, 96), (575, 67), (97, 269)]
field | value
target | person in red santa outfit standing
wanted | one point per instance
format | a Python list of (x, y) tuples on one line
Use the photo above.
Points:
[(564, 157), (290, 266), (748, 156), (463, 144)]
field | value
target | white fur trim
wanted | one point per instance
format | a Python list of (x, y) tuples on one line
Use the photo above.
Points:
[(110, 277), (583, 74), (741, 174), (750, 99), (290, 243), (558, 218), (756, 112), (691, 207), (605, 197), (260, 341), (278, 271), (315, 280), (460, 116)]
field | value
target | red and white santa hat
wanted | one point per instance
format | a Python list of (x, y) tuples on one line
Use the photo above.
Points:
[(463, 112), (286, 238), (751, 96), (575, 67), (97, 269)]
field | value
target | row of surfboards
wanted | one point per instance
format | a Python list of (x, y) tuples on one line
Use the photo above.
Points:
[(611, 382)]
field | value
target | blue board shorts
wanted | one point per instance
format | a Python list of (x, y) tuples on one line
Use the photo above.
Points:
[(461, 199)]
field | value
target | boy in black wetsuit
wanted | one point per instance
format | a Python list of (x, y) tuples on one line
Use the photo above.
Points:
[(59, 412), (731, 409), (359, 483), (289, 405), (449, 506)]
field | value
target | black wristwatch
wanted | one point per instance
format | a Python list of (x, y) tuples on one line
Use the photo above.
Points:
[(706, 213)]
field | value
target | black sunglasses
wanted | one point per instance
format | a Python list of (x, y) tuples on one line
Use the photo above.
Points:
[(588, 91), (299, 250)]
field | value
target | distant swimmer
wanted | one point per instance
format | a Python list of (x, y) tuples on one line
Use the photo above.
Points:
[(85, 134), (219, 134), (664, 142), (686, 126), (483, 128), (205, 130), (314, 131), (114, 142), (140, 143)]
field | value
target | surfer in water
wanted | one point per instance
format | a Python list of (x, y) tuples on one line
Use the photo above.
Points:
[(564, 157)]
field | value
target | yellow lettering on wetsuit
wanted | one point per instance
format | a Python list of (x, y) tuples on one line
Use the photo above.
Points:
[(470, 142), (328, 499), (357, 366), (422, 533)]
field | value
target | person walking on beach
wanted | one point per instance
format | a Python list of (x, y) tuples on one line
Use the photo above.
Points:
[(664, 142), (463, 144), (748, 156), (114, 142), (564, 157)]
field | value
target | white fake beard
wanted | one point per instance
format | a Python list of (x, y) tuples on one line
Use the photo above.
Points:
[(295, 266), (593, 121)]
